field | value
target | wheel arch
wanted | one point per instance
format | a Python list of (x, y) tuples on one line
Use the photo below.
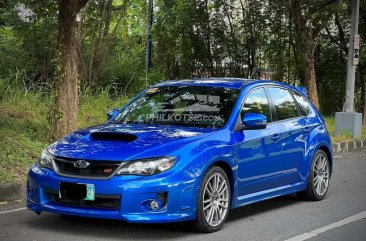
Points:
[(228, 169), (329, 155), (229, 172)]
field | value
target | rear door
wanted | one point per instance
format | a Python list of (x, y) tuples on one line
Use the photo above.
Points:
[(294, 130), (312, 121)]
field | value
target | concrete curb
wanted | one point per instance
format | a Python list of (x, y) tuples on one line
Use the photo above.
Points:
[(12, 191), (339, 147)]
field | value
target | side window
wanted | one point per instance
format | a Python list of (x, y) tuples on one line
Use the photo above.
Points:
[(303, 103), (283, 102), (257, 102)]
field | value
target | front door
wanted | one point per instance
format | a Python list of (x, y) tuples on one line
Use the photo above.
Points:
[(259, 152)]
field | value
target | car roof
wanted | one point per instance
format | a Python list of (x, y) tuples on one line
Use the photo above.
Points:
[(233, 83)]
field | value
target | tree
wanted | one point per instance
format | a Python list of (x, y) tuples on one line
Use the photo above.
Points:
[(66, 109), (307, 28), (192, 38), (305, 42), (100, 24)]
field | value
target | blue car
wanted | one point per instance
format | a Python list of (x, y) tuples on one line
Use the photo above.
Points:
[(188, 150)]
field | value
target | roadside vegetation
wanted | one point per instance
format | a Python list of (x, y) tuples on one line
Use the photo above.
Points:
[(344, 135), (25, 129)]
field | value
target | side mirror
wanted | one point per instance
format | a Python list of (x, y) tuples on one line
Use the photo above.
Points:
[(112, 113), (254, 121)]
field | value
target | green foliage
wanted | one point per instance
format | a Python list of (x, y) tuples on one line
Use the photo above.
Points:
[(94, 107), (27, 45), (24, 128), (191, 38)]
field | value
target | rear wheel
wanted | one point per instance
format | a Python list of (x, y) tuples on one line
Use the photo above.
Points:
[(319, 178), (214, 201)]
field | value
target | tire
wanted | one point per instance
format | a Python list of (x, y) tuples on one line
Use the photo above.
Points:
[(213, 205), (319, 176)]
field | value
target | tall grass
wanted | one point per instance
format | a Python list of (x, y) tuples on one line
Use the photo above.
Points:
[(25, 130), (93, 107)]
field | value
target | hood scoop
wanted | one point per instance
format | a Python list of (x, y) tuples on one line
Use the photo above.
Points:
[(113, 136)]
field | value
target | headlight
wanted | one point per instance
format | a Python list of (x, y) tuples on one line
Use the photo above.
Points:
[(45, 160), (146, 166)]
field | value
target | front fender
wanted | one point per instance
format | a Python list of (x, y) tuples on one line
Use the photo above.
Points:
[(219, 149)]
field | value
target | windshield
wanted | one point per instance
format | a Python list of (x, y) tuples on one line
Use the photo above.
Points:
[(198, 106)]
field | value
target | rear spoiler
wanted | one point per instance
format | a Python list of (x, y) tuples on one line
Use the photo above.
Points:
[(302, 90)]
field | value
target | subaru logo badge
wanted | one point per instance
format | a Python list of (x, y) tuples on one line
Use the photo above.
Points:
[(81, 164)]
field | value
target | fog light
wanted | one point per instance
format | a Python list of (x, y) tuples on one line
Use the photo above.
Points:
[(154, 205)]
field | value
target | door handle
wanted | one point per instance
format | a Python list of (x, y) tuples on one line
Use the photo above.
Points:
[(275, 137)]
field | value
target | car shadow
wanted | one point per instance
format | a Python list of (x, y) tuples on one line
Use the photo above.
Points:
[(115, 229)]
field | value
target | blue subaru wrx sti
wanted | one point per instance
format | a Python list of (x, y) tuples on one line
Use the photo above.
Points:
[(188, 150)]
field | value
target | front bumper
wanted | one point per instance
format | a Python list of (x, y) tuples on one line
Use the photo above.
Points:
[(133, 192)]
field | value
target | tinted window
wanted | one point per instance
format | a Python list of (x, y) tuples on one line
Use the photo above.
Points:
[(196, 106), (283, 102), (257, 102), (303, 103)]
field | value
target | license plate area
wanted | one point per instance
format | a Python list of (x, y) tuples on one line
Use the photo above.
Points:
[(77, 191)]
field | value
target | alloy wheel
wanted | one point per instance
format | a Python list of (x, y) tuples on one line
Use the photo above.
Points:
[(215, 199), (321, 175)]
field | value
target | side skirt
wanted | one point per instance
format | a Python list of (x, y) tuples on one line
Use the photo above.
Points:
[(268, 194)]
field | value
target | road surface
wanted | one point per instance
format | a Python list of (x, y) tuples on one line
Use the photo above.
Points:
[(341, 216)]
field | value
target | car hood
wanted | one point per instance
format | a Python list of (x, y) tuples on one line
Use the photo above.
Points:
[(117, 142)]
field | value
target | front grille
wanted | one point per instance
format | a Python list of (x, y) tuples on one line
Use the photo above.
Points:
[(96, 169), (112, 202)]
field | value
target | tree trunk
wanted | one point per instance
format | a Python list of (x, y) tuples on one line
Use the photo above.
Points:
[(305, 41), (66, 109)]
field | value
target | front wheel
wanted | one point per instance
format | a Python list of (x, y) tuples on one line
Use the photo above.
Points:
[(319, 178), (214, 201)]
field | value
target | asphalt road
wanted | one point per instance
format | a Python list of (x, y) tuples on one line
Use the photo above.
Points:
[(341, 216)]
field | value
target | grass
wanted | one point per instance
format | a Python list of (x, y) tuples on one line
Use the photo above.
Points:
[(344, 135), (93, 108), (25, 132)]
